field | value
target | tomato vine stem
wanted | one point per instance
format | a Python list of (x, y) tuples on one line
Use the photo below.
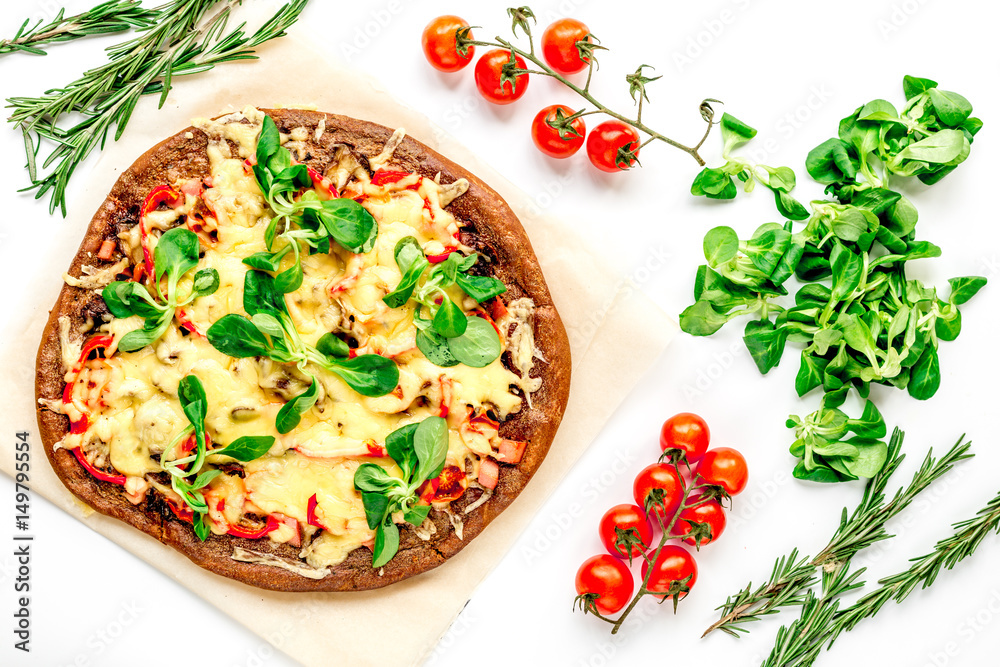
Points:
[(666, 534), (584, 92)]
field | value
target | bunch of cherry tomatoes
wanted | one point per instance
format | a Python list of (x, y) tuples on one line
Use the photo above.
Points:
[(559, 49), (680, 495)]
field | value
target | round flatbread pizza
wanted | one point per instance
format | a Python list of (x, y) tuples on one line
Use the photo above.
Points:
[(304, 350)]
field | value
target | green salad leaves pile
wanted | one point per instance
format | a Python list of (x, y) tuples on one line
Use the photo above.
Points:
[(858, 316)]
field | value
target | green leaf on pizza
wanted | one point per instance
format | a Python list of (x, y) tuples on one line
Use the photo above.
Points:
[(420, 451), (175, 255), (448, 336)]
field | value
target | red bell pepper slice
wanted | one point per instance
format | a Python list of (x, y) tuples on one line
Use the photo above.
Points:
[(322, 184), (182, 512), (311, 512), (80, 425), (187, 324), (388, 176), (189, 444), (67, 396), (191, 328), (437, 259), (257, 533), (482, 417), (446, 387), (93, 343), (161, 194), (498, 310), (376, 450), (96, 472)]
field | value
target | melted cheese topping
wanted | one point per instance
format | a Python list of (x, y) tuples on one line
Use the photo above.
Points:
[(138, 413)]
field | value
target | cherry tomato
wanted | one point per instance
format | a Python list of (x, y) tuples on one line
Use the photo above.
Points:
[(559, 45), (710, 514), (670, 570), (604, 142), (547, 137), (489, 70), (622, 518), (439, 44), (609, 579), (725, 467), (659, 488), (686, 432)]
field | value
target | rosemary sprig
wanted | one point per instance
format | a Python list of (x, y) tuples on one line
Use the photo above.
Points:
[(108, 17), (864, 527), (637, 84), (822, 621), (947, 553), (794, 645), (182, 41), (867, 525), (788, 586)]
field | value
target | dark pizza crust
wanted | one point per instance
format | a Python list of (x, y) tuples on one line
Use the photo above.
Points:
[(491, 228)]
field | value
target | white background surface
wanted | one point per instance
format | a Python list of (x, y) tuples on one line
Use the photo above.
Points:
[(792, 70)]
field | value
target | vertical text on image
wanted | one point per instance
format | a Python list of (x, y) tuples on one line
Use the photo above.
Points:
[(22, 542)]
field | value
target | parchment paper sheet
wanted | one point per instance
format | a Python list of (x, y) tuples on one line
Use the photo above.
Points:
[(318, 628)]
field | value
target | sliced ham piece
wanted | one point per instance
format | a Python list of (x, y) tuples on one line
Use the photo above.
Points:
[(510, 451), (489, 473)]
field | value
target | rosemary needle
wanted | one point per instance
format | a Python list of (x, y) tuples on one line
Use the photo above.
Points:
[(107, 17), (183, 40)]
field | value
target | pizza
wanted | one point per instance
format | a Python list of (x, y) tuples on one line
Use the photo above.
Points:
[(304, 350)]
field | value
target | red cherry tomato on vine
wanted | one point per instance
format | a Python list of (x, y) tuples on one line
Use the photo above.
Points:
[(609, 579), (547, 137), (725, 467), (489, 71), (670, 570), (559, 45), (687, 432), (439, 44), (623, 518), (710, 514), (659, 488), (604, 142)]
